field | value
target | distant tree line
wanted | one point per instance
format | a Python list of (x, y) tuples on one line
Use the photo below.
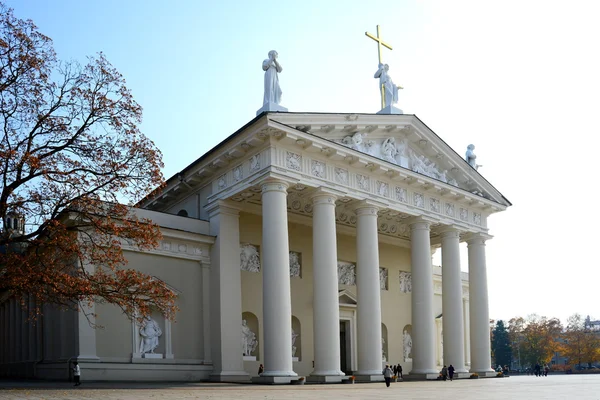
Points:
[(537, 339)]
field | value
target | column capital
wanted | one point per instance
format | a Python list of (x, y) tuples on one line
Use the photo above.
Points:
[(477, 238), (324, 196), (367, 207), (222, 207), (274, 185), (449, 232), (419, 223)]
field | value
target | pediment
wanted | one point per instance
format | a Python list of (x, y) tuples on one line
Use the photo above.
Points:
[(346, 298), (401, 140)]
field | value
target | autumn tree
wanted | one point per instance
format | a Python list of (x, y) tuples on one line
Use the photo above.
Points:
[(501, 344), (581, 344), (72, 161), (535, 338)]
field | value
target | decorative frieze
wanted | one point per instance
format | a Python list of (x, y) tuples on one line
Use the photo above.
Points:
[(434, 205), (221, 182), (383, 189), (255, 163), (317, 168), (450, 210), (363, 182), (346, 273), (249, 258), (477, 218), (293, 161), (401, 195), (464, 214), (419, 200), (341, 176), (237, 173)]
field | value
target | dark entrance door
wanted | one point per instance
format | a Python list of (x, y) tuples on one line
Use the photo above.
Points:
[(343, 359)]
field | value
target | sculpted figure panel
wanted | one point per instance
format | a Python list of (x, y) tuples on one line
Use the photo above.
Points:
[(294, 337), (295, 265), (407, 344), (383, 278), (346, 273), (149, 332), (249, 341), (405, 282), (249, 258), (318, 169)]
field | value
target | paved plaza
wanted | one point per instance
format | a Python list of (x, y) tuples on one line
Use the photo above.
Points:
[(517, 387)]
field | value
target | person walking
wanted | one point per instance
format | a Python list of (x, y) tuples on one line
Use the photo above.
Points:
[(444, 373), (387, 375), (261, 369), (399, 367), (451, 371), (76, 374)]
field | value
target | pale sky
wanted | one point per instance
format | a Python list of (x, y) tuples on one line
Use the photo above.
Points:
[(519, 79)]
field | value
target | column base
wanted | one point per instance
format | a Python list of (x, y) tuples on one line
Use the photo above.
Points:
[(421, 376), (230, 376), (274, 380), (326, 378), (484, 374), (369, 378), (462, 375)]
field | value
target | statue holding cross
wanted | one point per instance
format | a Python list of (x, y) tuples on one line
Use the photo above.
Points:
[(389, 91)]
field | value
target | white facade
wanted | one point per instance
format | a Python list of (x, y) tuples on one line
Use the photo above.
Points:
[(317, 230)]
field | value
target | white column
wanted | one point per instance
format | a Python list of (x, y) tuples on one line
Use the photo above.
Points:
[(467, 330), (453, 320), (326, 308), (226, 294), (368, 291), (479, 312), (277, 299), (423, 319)]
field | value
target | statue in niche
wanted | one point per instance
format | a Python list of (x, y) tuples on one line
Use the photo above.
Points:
[(294, 264), (388, 150), (405, 282), (471, 157), (346, 274), (294, 337), (383, 274), (249, 259), (249, 341), (407, 343), (150, 332), (272, 68), (383, 356), (390, 90)]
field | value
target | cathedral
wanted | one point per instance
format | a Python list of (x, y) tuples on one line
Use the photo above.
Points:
[(301, 245)]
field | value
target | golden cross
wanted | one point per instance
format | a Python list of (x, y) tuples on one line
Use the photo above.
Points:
[(380, 42)]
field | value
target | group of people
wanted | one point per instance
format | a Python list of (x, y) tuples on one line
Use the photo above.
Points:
[(540, 370), (389, 372), (447, 373)]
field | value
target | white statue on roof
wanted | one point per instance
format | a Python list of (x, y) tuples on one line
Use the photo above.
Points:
[(272, 94), (390, 90), (471, 157)]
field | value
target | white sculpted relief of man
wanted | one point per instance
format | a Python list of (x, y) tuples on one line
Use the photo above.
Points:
[(294, 337), (383, 275), (383, 356), (249, 259), (149, 332), (272, 68), (295, 266), (249, 341), (389, 150), (407, 343), (357, 142), (405, 282)]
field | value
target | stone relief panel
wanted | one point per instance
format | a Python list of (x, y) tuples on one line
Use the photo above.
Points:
[(401, 195), (405, 282), (346, 273), (295, 264), (249, 258), (383, 278), (363, 182), (255, 163), (293, 161), (341, 176), (477, 218), (237, 173), (407, 342), (317, 168), (464, 214), (419, 200), (434, 205), (450, 209), (221, 182), (383, 189), (358, 141)]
